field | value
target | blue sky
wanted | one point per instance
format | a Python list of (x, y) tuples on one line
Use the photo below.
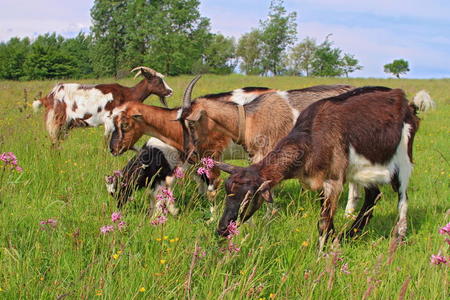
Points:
[(376, 32)]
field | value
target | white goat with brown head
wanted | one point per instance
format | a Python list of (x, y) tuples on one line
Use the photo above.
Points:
[(71, 105)]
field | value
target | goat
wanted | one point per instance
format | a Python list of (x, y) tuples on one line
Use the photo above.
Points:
[(129, 122), (423, 101), (72, 105), (153, 166), (257, 125), (364, 136)]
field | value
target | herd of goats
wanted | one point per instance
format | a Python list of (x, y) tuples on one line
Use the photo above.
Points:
[(322, 135)]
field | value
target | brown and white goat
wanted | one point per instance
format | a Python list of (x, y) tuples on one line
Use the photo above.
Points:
[(257, 125), (364, 136), (71, 105), (129, 122)]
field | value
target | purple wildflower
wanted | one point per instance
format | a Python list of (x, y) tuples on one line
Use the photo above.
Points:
[(117, 173), (344, 269), (121, 225), (116, 216), (445, 229), (232, 230), (51, 222), (110, 179), (10, 160), (207, 162), (437, 259), (107, 228), (178, 173), (159, 220), (233, 248)]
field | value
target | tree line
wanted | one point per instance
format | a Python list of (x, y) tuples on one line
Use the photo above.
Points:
[(172, 37)]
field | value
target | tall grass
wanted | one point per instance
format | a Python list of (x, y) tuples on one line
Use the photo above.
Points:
[(278, 256)]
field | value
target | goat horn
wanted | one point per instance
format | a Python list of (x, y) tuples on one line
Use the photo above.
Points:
[(147, 69), (230, 169), (188, 92)]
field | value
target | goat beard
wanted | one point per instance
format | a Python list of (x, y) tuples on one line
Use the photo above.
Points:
[(162, 99)]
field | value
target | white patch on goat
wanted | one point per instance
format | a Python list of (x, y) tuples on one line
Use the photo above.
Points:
[(166, 86), (242, 97), (52, 127), (36, 105), (423, 101), (109, 119), (179, 113), (170, 153), (295, 113), (87, 99), (362, 171), (353, 199)]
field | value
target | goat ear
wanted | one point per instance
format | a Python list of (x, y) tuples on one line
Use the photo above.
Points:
[(265, 191), (195, 115), (230, 169), (267, 195), (137, 117)]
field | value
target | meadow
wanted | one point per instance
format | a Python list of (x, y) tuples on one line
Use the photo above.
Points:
[(184, 259)]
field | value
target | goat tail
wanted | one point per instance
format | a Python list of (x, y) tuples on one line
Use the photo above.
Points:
[(36, 105), (422, 100)]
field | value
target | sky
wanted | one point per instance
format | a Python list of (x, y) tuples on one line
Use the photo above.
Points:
[(375, 31)]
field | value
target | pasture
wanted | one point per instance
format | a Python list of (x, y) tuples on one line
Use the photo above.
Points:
[(278, 256)]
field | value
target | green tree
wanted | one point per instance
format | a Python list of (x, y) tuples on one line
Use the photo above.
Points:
[(178, 36), (397, 67), (349, 64), (78, 49), (301, 56), (109, 23), (327, 60), (249, 50), (278, 33), (12, 58), (47, 59), (220, 55)]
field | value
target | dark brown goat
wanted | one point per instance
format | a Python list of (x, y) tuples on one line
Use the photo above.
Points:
[(364, 136)]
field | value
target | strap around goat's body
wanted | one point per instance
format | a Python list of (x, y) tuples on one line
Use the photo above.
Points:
[(241, 124)]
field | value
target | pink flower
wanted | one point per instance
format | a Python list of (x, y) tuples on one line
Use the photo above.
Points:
[(448, 241), (205, 171), (116, 216), (159, 220), (178, 173), (121, 225), (233, 248), (107, 228), (164, 196), (51, 222), (10, 160), (199, 252), (207, 162), (19, 169), (117, 173), (344, 269), (438, 259), (110, 179), (232, 230), (445, 229)]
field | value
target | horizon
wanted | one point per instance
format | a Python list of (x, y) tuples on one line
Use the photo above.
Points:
[(376, 32)]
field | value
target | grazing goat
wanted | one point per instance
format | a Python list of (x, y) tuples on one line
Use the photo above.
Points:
[(257, 125), (153, 166), (130, 121), (364, 136), (423, 101), (71, 105)]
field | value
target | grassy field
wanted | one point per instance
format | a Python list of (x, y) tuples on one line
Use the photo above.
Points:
[(278, 257)]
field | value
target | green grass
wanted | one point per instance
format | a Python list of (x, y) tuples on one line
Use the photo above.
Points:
[(278, 254)]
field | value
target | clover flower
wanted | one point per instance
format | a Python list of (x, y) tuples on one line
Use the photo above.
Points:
[(159, 220), (116, 216), (438, 259), (445, 229), (178, 173), (107, 228)]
